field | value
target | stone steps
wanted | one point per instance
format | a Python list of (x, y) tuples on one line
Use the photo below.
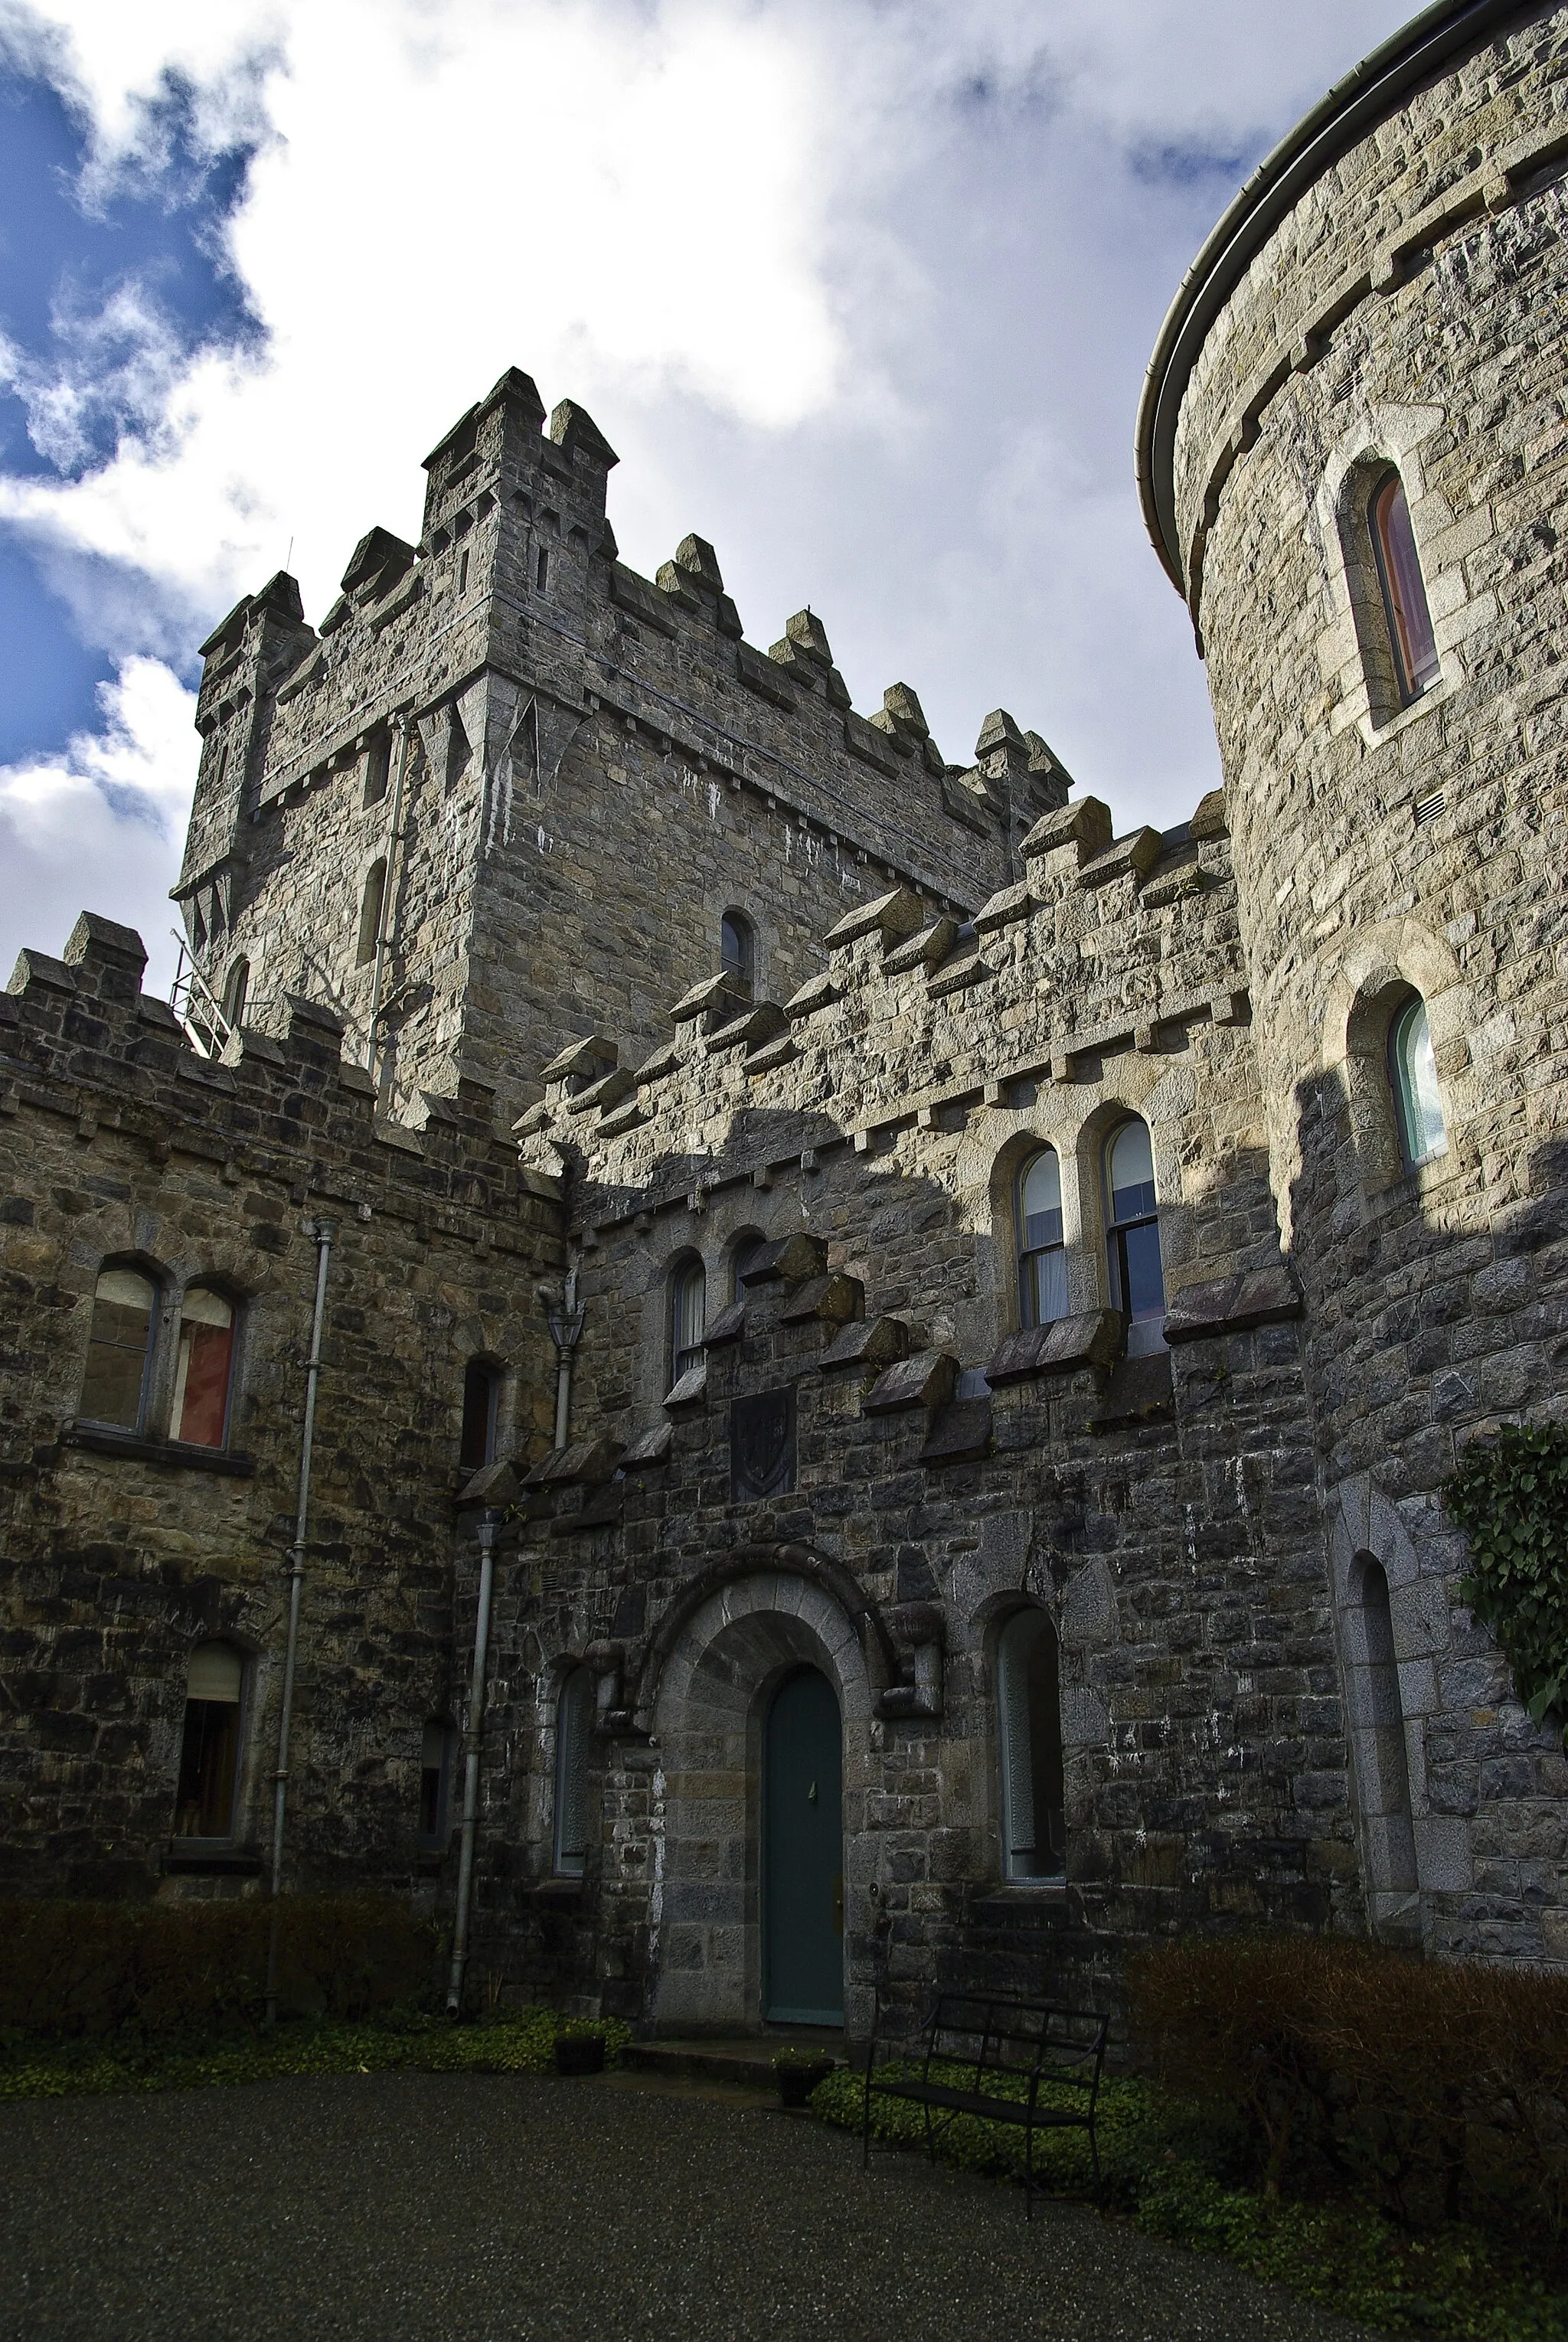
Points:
[(743, 2058)]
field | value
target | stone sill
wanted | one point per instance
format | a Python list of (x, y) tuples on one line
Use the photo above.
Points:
[(173, 1455), (205, 1857), (1415, 1187), (1019, 1895), (1374, 734)]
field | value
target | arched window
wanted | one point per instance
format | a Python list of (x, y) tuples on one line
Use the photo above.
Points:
[(434, 1783), (234, 993), (480, 1403), (574, 1717), (688, 1315), (120, 1349), (371, 904), (1410, 636), (1133, 1234), (210, 1746), (1041, 1258), (747, 1245), (738, 946), (204, 1370), (1029, 1717), (1412, 1074)]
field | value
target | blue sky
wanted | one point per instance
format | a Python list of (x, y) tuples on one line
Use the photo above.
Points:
[(862, 290), (64, 261)]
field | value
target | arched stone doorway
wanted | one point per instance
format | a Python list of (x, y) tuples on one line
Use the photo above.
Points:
[(717, 1692)]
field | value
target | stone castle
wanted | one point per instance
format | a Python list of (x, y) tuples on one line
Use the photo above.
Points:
[(771, 1370)]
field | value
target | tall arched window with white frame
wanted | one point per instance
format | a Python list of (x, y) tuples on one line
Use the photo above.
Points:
[(1029, 1724), (688, 1317), (1132, 1234), (1042, 1255)]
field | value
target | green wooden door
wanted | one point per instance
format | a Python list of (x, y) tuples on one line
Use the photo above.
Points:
[(803, 1854)]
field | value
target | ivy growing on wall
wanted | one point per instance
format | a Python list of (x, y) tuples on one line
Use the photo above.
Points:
[(1510, 1497)]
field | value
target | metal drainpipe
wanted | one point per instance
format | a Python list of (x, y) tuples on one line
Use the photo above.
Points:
[(566, 1323), (383, 925), (473, 1739), (322, 1231)]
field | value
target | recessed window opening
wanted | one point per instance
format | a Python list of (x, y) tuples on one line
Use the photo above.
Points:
[(1412, 1074), (481, 1405), (1410, 635), (542, 570), (377, 768), (371, 904), (737, 947), (1132, 1236), (1041, 1257), (234, 993), (688, 1316), (574, 1717), (210, 1746), (748, 1245), (203, 1368), (1029, 1717), (119, 1349), (463, 572), (434, 1783)]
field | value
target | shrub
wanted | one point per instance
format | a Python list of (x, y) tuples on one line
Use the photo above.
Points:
[(1510, 1497), (87, 1968), (1442, 2088)]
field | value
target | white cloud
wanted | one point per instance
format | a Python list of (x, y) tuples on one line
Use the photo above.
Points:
[(861, 289), (98, 829)]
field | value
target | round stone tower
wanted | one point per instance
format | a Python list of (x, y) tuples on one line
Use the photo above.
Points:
[(1353, 458)]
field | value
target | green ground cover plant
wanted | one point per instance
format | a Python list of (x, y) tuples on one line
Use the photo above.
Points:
[(519, 2041), (1175, 2169)]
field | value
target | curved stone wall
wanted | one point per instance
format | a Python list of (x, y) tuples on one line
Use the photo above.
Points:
[(1409, 312)]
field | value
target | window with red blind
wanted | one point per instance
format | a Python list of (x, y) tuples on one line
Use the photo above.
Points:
[(205, 1367)]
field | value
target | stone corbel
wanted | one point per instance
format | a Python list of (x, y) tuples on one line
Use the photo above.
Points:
[(920, 1633), (606, 1663)]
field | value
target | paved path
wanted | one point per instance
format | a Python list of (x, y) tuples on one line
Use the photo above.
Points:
[(434, 2207)]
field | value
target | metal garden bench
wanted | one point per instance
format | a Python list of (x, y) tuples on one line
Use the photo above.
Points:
[(972, 2047)]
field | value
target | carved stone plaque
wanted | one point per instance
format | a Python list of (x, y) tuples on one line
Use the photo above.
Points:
[(762, 1446)]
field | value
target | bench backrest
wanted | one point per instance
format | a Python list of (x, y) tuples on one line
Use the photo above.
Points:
[(995, 2033)]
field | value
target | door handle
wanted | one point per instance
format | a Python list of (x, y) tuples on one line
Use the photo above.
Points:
[(811, 1794)]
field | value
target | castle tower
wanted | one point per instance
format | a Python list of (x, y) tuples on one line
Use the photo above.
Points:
[(1354, 466), (511, 796)]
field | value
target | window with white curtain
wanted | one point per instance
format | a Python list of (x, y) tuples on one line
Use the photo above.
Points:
[(688, 1316), (1042, 1255)]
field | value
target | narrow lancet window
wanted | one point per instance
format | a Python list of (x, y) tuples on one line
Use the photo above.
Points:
[(481, 1406), (1412, 1073), (1029, 1715), (737, 947), (574, 1717), (1410, 636)]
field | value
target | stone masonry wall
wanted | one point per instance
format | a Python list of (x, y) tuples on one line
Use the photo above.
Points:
[(598, 768), (118, 1554), (1409, 312), (1161, 1507)]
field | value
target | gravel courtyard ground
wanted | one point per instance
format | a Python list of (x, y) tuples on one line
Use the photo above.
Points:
[(435, 2207)]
